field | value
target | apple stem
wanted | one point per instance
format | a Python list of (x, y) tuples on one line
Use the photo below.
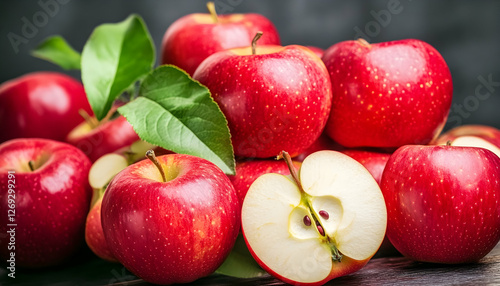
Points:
[(254, 41), (91, 121), (150, 154), (448, 143), (213, 13), (284, 155), (364, 42), (31, 164)]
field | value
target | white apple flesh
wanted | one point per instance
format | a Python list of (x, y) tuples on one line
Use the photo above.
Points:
[(326, 223)]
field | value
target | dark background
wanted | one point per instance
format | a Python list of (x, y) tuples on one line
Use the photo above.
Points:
[(466, 33)]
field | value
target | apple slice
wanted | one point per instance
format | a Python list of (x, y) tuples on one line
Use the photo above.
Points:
[(100, 174), (324, 224)]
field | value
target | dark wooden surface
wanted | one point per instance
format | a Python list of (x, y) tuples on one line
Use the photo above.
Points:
[(379, 271)]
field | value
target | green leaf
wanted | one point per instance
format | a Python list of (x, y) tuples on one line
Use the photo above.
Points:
[(56, 50), (240, 262), (177, 113), (115, 57)]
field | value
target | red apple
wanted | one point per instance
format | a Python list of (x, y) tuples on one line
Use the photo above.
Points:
[(443, 202), (107, 137), (473, 136), (173, 226), (275, 99), (326, 221), (44, 187), (42, 105), (248, 171), (318, 51), (322, 143), (388, 94), (192, 38)]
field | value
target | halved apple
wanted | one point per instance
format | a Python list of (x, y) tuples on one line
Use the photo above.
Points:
[(483, 136), (310, 228), (100, 174)]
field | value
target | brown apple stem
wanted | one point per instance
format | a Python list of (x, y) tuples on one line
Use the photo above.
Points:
[(364, 42), (91, 121), (288, 160), (213, 13), (150, 154), (448, 143), (31, 164), (254, 41)]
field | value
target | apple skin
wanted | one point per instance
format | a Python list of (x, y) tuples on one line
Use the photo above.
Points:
[(347, 266), (107, 138), (489, 134), (443, 202), (52, 202), (94, 235), (278, 99), (318, 51), (41, 105), (248, 171), (322, 143), (192, 38), (175, 231), (388, 94)]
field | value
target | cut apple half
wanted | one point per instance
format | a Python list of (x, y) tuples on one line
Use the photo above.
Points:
[(474, 141), (105, 168), (326, 222)]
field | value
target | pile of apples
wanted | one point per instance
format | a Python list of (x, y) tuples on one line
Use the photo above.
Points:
[(357, 131)]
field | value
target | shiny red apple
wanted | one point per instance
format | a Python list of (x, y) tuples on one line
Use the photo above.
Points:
[(172, 222), (443, 202), (194, 37), (388, 94), (473, 136), (274, 98), (44, 185), (41, 105)]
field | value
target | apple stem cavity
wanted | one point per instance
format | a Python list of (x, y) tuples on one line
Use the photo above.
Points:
[(213, 13), (336, 255), (150, 154), (31, 164), (363, 42), (254, 41), (91, 121)]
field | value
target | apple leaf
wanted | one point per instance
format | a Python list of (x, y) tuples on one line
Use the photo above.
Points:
[(240, 262), (115, 57), (56, 50), (177, 113)]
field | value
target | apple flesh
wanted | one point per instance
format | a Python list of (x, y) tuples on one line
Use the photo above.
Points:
[(192, 38), (100, 174), (443, 202), (472, 136), (50, 198), (276, 98), (107, 137), (41, 105), (173, 226), (326, 222), (388, 94)]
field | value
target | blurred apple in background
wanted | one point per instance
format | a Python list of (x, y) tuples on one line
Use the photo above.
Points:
[(387, 94), (443, 202), (51, 200), (274, 98), (105, 137), (318, 51), (41, 105), (192, 38), (472, 136)]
